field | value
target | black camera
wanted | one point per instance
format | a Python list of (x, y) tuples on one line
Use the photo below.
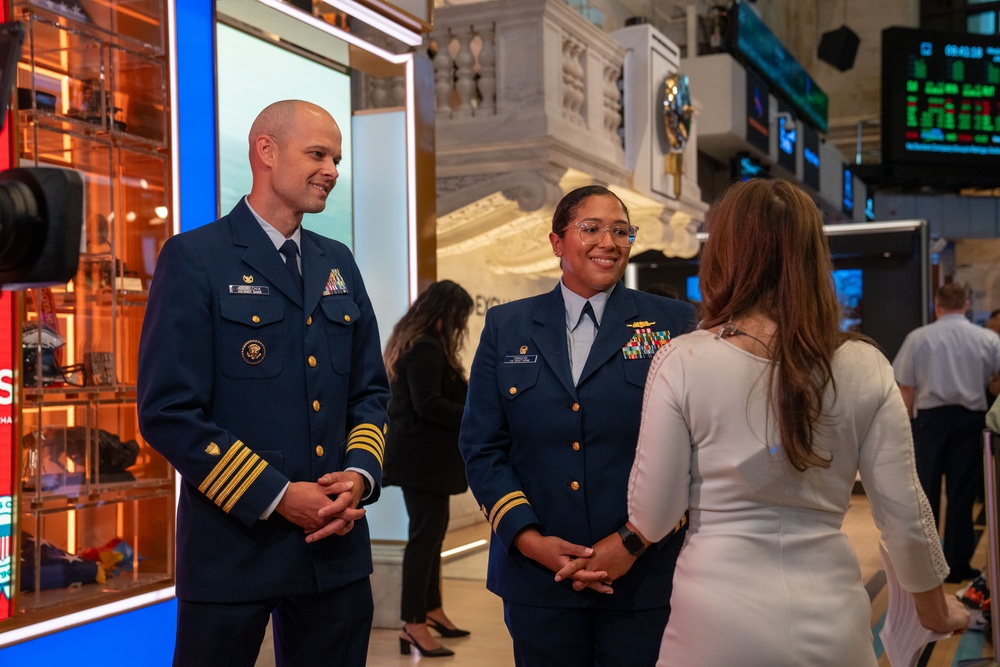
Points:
[(41, 208)]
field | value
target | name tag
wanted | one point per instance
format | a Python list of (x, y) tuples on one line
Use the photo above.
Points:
[(521, 359), (262, 290)]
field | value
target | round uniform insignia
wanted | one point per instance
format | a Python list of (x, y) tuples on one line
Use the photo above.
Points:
[(253, 352), (524, 349), (248, 279)]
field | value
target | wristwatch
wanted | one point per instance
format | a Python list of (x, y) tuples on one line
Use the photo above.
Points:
[(633, 543)]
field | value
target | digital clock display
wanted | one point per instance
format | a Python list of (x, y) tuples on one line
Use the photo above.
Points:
[(941, 98)]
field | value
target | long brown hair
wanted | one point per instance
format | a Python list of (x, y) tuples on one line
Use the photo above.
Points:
[(441, 311), (767, 253)]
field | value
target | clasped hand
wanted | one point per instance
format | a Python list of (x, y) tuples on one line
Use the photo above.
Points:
[(608, 558), (586, 566), (326, 507)]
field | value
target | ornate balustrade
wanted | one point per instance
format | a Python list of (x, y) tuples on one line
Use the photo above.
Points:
[(523, 87)]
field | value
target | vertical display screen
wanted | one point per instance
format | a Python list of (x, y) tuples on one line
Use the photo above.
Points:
[(788, 137), (242, 58), (8, 312), (758, 113), (848, 192), (8, 320), (849, 292), (810, 157)]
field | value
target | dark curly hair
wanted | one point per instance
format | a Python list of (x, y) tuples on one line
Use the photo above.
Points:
[(441, 311)]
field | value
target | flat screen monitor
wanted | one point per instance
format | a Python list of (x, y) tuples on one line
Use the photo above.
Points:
[(848, 283), (941, 105), (848, 192)]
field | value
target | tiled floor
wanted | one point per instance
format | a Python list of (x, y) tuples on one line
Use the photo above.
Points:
[(471, 606)]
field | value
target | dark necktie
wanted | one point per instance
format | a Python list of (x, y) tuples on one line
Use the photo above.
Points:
[(588, 310), (290, 252)]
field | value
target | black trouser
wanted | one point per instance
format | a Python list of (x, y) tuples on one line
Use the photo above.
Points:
[(947, 441), (422, 557)]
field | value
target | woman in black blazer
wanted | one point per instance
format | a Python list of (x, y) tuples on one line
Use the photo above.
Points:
[(421, 450)]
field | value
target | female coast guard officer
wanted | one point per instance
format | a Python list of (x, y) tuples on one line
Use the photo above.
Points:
[(548, 437)]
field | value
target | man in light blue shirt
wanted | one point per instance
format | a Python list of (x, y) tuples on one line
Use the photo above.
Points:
[(942, 370)]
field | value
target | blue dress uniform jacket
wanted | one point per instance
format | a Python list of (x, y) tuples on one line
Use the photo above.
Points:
[(245, 385), (541, 451)]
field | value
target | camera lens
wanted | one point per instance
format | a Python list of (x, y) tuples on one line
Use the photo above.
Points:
[(22, 230)]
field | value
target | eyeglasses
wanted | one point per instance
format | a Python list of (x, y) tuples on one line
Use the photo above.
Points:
[(621, 234)]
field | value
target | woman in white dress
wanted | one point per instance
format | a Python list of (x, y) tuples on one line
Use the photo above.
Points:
[(757, 424)]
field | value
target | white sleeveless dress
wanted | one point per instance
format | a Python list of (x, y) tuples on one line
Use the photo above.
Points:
[(766, 577)]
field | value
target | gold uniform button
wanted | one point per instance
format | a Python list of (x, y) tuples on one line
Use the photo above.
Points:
[(576, 407), (256, 319), (312, 361), (575, 486), (319, 450), (347, 318), (576, 446), (512, 390), (315, 406), (309, 321)]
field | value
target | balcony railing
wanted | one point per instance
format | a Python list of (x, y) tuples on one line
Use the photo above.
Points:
[(524, 86)]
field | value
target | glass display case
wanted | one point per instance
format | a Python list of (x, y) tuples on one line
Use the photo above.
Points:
[(95, 504)]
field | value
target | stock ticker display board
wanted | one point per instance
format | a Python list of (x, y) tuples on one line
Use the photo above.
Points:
[(940, 101)]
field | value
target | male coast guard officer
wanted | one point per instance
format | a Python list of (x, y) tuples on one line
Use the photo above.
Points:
[(261, 380), (549, 435)]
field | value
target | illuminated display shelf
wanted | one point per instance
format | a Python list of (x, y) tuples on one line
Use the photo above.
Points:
[(94, 518)]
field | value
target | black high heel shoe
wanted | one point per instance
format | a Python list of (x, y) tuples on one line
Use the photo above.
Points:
[(406, 642), (446, 632)]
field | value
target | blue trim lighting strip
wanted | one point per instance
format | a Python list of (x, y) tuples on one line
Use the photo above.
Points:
[(197, 137)]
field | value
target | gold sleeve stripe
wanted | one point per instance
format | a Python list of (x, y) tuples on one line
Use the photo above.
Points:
[(507, 508), (223, 473), (367, 432), (374, 452), (503, 501), (235, 479), (228, 473), (244, 486), (221, 465), (365, 439), (367, 429)]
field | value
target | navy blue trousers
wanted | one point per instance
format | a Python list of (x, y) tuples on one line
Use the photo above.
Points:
[(570, 637), (947, 442), (330, 628)]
